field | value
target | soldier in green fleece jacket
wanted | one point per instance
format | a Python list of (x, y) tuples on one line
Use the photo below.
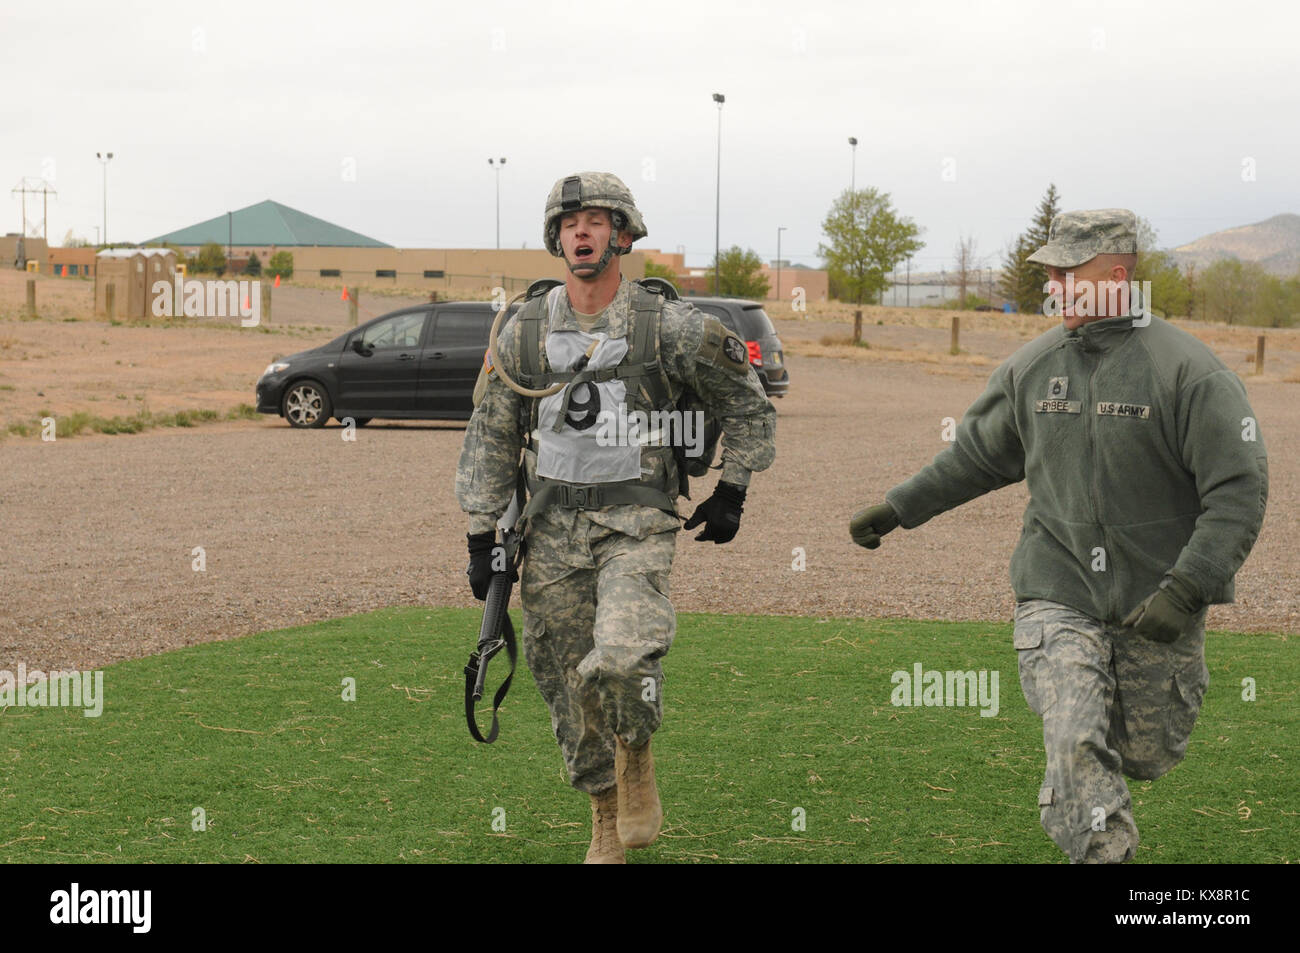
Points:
[(1148, 479)]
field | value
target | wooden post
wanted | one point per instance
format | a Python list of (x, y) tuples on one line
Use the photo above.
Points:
[(31, 297), (110, 295), (857, 327), (1259, 355), (266, 302), (353, 295), (956, 331)]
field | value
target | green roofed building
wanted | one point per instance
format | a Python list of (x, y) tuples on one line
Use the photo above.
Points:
[(267, 225)]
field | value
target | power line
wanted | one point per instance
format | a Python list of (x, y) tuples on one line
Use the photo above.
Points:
[(28, 184)]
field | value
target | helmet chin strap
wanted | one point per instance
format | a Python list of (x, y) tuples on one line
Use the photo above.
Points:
[(591, 269)]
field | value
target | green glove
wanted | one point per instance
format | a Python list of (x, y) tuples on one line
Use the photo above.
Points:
[(867, 526), (1163, 615)]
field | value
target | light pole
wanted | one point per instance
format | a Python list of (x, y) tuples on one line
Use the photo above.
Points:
[(779, 230), (104, 158), (497, 166), (717, 214), (853, 176)]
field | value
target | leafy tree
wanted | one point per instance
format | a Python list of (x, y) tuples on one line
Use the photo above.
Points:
[(740, 273), (1023, 280), (210, 259), (1170, 292), (254, 266), (1242, 293), (655, 270), (867, 241), (281, 263)]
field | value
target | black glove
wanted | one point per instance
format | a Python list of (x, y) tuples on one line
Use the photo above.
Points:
[(479, 569), (867, 526), (720, 513), (1163, 616)]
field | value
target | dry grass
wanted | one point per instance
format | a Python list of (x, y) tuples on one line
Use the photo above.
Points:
[(843, 347)]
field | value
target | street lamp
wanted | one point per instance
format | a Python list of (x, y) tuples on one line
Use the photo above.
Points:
[(497, 166), (104, 158), (853, 179), (779, 230), (717, 214)]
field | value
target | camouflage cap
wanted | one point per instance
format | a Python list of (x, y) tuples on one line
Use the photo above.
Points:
[(590, 190), (1077, 237)]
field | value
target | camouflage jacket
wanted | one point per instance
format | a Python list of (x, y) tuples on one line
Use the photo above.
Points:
[(487, 472), (1141, 454)]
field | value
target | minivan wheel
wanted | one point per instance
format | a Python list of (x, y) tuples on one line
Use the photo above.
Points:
[(306, 405)]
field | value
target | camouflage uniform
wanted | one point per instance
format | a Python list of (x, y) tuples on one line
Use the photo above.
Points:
[(594, 586), (1137, 444), (1110, 703)]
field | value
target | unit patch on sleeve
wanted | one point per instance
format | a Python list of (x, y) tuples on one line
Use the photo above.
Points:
[(734, 349)]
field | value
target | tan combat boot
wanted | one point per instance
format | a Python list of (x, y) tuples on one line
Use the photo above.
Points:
[(605, 847), (639, 812)]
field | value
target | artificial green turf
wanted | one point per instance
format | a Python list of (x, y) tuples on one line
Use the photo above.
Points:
[(763, 715)]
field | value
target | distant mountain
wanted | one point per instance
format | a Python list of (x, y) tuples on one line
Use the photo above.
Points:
[(1273, 243)]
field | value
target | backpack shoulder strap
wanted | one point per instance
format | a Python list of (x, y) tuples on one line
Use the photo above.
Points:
[(644, 355)]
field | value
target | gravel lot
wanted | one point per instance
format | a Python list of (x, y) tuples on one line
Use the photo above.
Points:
[(300, 526)]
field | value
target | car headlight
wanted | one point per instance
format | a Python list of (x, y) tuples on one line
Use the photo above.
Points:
[(275, 367)]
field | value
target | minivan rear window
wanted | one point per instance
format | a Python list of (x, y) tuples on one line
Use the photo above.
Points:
[(760, 325)]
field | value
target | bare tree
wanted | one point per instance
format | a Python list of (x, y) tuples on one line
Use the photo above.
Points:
[(968, 266)]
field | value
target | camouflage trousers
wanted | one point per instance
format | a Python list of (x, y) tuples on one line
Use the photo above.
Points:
[(1113, 703), (597, 621)]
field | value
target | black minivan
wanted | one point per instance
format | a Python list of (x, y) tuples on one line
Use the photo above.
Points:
[(751, 323), (417, 363)]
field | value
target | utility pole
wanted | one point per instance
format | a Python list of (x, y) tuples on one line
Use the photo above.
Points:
[(779, 230), (498, 170), (26, 185), (717, 214), (853, 178), (104, 158)]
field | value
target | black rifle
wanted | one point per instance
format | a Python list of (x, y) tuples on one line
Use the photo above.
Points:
[(496, 632)]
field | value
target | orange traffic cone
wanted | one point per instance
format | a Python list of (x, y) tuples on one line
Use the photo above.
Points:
[(344, 296), (277, 282)]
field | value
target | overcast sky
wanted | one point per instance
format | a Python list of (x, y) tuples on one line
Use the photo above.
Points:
[(380, 117)]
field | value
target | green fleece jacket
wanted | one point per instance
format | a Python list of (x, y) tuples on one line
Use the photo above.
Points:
[(1141, 453)]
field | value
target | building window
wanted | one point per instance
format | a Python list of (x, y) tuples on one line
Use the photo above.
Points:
[(434, 274), (72, 271), (385, 273), (330, 273)]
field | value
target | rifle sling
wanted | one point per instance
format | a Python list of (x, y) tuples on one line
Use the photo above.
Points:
[(471, 674)]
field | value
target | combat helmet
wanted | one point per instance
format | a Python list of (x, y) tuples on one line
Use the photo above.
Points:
[(592, 190)]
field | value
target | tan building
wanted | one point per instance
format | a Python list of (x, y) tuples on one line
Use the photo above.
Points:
[(813, 283), (71, 262), (16, 251), (445, 270)]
